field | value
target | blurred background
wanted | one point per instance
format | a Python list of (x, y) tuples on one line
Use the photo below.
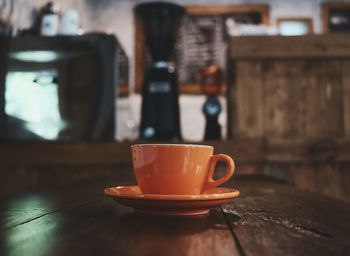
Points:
[(264, 81)]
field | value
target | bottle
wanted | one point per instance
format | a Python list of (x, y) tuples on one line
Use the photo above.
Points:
[(211, 80), (49, 19), (69, 22)]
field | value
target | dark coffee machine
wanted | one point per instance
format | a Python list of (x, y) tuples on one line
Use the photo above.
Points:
[(160, 108)]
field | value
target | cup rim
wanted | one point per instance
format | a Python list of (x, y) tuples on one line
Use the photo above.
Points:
[(171, 145)]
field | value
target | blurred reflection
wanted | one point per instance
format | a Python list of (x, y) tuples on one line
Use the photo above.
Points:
[(60, 88), (32, 98), (36, 235), (198, 235), (35, 56)]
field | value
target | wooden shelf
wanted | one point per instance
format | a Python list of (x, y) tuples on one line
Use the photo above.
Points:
[(290, 47), (243, 151), (28, 154)]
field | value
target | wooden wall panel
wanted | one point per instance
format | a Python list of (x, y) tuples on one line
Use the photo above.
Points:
[(346, 96), (344, 173), (311, 115), (248, 100), (290, 99), (303, 176), (18, 180), (290, 47), (293, 93), (321, 167), (328, 109), (330, 179), (280, 85)]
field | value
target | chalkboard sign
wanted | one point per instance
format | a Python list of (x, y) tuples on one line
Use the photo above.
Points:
[(202, 40), (336, 17)]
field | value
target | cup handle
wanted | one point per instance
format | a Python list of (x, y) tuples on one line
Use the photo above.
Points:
[(211, 183)]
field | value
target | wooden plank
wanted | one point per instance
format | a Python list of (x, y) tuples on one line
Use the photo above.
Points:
[(107, 154), (268, 218), (244, 151), (277, 170), (275, 219), (303, 176), (248, 98), (311, 114), (285, 99), (94, 224), (346, 97), (107, 228), (329, 99), (29, 179), (308, 152), (302, 83), (32, 205), (328, 180), (302, 151), (280, 83), (323, 94), (29, 154), (343, 152), (344, 173), (296, 47)]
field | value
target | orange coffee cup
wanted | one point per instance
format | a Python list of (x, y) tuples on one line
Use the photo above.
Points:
[(177, 169)]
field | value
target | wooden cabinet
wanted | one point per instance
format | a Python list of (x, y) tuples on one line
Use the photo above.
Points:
[(290, 87), (294, 94)]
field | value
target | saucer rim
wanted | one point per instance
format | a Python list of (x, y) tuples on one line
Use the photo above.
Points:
[(231, 193)]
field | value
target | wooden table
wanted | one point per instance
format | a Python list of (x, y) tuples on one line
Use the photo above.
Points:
[(269, 218)]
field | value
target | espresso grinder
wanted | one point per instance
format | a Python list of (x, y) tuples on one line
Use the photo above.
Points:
[(160, 119)]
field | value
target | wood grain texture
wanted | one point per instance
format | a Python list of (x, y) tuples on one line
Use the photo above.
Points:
[(289, 99), (299, 91), (276, 219), (18, 180), (83, 154), (328, 110), (306, 164), (346, 96), (296, 47), (269, 218), (248, 96), (303, 176), (279, 85), (245, 151), (81, 220), (36, 154)]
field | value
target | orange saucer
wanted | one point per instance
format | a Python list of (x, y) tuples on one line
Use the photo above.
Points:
[(171, 204)]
